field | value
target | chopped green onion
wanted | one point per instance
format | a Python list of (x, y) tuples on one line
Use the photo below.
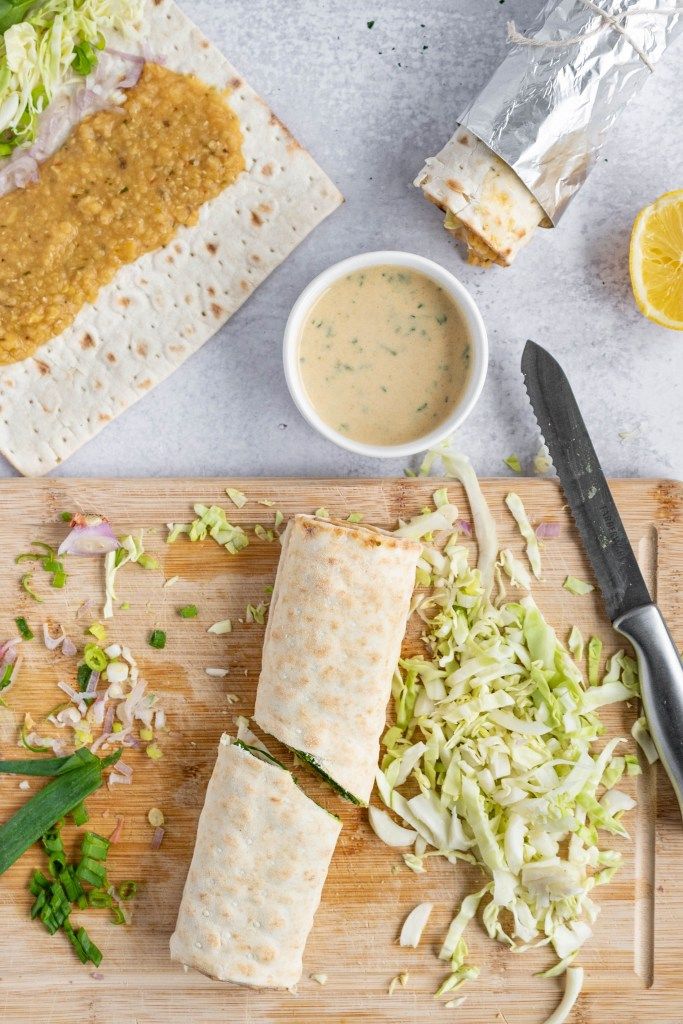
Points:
[(28, 588), (38, 883), (127, 890), (80, 815), (353, 517), (82, 676), (99, 899), (94, 845), (59, 579), (6, 678), (322, 513), (73, 939), (47, 548), (28, 556), (66, 517), (118, 917), (94, 657), (154, 752), (157, 639), (24, 628), (59, 797), (98, 631), (190, 611), (513, 463), (91, 871), (91, 951)]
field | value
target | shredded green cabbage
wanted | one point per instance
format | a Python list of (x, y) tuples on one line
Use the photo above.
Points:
[(211, 521), (494, 756), (514, 503), (57, 42), (578, 587)]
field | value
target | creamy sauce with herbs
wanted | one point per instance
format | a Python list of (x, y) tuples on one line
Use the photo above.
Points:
[(384, 355)]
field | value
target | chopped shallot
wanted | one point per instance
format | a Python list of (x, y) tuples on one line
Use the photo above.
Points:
[(52, 642), (89, 535), (546, 531), (464, 526), (159, 834), (70, 692), (115, 837), (124, 769), (69, 647), (116, 777)]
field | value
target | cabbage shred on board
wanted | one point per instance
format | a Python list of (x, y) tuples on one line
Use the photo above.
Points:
[(494, 758)]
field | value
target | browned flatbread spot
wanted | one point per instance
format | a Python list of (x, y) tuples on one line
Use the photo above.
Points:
[(110, 357), (244, 285), (216, 309), (145, 384), (235, 82), (124, 301), (104, 417), (265, 207), (267, 170), (43, 368), (255, 219), (211, 290), (87, 341), (142, 349), (212, 247)]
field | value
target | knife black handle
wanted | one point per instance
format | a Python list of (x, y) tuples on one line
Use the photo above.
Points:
[(661, 685)]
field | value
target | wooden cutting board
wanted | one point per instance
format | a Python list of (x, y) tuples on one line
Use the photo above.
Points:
[(633, 961)]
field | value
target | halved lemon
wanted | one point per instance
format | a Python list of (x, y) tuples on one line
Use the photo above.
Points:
[(656, 261)]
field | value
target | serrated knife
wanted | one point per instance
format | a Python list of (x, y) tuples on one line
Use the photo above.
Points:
[(626, 596)]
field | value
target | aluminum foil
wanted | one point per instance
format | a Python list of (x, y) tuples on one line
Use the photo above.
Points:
[(547, 111)]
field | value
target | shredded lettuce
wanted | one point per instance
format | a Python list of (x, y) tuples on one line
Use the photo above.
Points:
[(496, 756), (57, 43), (514, 503)]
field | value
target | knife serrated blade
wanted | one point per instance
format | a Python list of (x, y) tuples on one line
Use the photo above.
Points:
[(583, 482)]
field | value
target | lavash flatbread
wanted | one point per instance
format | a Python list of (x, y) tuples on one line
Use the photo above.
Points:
[(257, 872), (158, 311), (487, 205), (335, 625)]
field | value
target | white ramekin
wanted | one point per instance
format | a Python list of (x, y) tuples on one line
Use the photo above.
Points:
[(461, 297)]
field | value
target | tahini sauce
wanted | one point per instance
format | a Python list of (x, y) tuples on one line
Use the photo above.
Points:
[(384, 355)]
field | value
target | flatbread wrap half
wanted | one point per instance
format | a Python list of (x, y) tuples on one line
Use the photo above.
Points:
[(162, 308), (487, 205), (337, 618), (259, 865)]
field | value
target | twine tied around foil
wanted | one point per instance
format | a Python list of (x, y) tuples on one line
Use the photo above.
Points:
[(608, 21)]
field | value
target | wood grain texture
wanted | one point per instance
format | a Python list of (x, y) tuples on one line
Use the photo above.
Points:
[(633, 962)]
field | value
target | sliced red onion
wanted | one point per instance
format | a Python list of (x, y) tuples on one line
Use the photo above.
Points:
[(546, 531), (8, 650), (97, 711), (109, 719), (124, 769), (55, 745), (132, 741), (69, 647), (115, 837), (91, 685), (99, 742), (157, 838), (89, 535), (464, 526), (52, 642), (86, 610), (97, 975)]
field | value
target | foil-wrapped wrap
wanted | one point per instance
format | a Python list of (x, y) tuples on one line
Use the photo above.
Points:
[(545, 115)]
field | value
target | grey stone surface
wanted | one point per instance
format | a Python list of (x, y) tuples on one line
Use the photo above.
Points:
[(371, 103)]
